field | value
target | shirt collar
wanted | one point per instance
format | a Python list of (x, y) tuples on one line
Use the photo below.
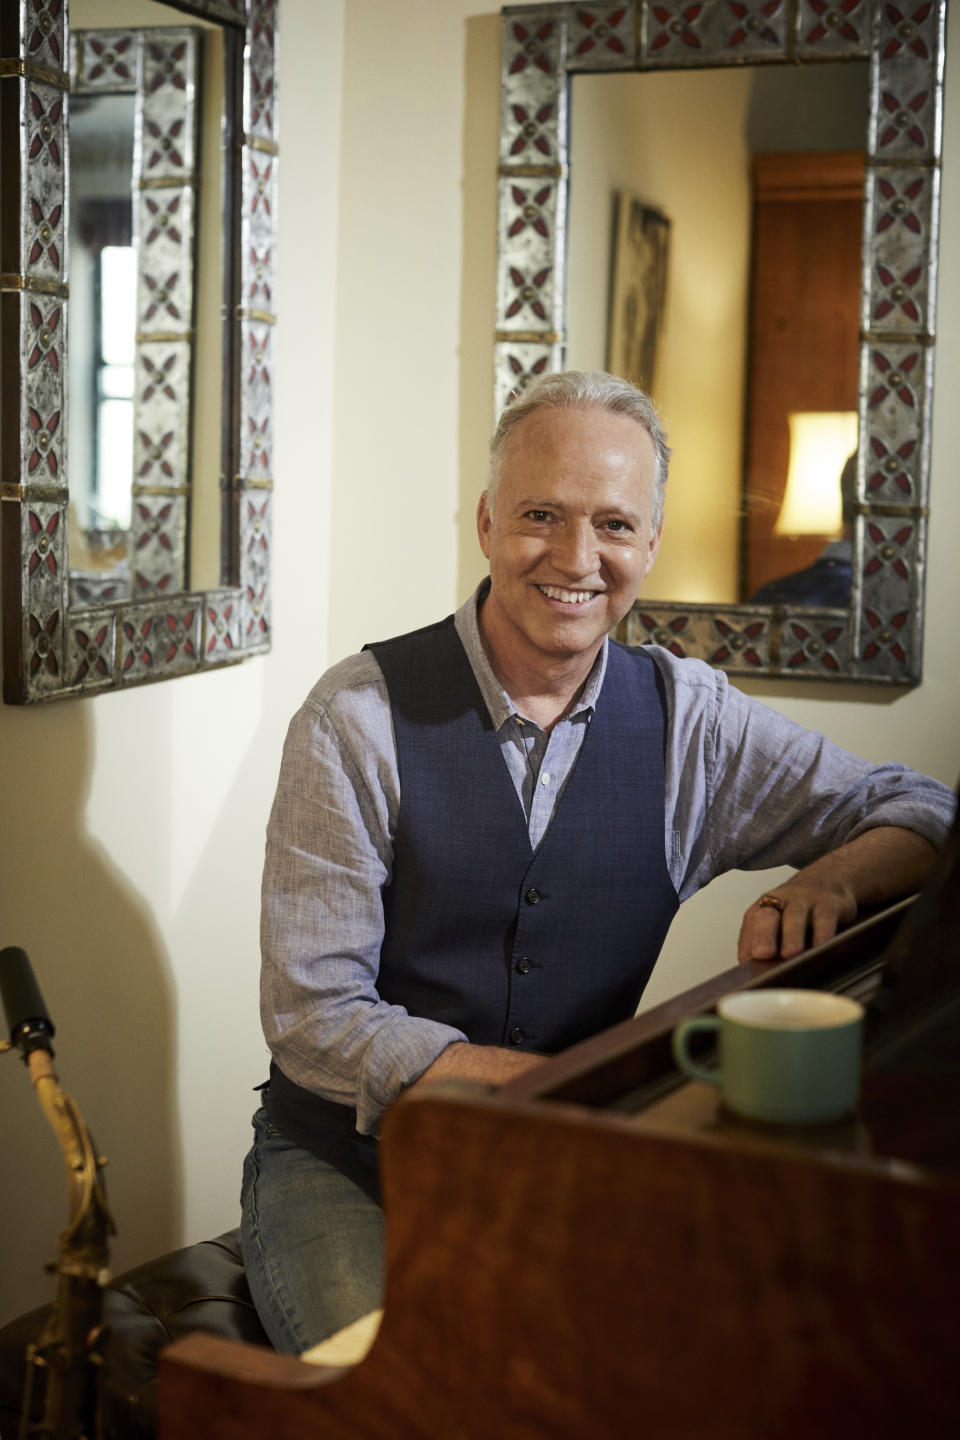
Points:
[(496, 699)]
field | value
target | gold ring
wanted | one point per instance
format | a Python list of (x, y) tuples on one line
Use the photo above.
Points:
[(773, 901)]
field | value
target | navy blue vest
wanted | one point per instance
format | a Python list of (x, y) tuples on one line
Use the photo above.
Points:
[(533, 949)]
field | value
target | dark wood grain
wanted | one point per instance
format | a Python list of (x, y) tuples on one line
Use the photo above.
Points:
[(804, 331), (556, 1273), (556, 1270)]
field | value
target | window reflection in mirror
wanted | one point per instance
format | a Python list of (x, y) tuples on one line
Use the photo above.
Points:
[(683, 144), (110, 358), (102, 328)]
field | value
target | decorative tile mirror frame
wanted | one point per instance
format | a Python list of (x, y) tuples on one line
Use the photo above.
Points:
[(879, 638), (50, 647)]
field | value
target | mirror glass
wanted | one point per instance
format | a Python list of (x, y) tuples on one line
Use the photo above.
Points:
[(144, 353), (745, 394), (103, 292), (181, 449), (666, 241)]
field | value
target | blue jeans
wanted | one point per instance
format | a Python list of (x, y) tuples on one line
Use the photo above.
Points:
[(312, 1242)]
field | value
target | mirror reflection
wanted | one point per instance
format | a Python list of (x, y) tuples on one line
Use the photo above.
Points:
[(146, 185), (737, 245), (103, 287)]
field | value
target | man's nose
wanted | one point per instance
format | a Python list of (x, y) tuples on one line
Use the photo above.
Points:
[(574, 549)]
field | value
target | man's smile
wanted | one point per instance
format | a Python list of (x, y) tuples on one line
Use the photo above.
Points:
[(569, 597)]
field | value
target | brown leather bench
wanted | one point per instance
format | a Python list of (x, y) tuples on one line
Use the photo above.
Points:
[(202, 1287)]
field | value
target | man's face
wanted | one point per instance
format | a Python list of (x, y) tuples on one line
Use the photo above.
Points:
[(570, 538)]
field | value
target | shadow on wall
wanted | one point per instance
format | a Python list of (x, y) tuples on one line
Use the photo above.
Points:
[(214, 939), (105, 976)]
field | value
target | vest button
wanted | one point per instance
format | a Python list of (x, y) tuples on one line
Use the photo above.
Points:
[(523, 965), (517, 1036), (532, 896)]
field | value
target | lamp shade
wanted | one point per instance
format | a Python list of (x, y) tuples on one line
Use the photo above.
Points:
[(820, 443)]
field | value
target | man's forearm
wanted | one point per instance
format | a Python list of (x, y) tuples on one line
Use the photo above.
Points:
[(882, 864), (486, 1064)]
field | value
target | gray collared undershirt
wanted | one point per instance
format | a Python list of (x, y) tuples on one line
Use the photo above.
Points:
[(540, 762)]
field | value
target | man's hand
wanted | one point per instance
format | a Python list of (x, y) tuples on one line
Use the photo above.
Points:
[(812, 913), (882, 864)]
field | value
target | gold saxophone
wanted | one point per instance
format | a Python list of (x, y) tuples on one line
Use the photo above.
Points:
[(67, 1359)]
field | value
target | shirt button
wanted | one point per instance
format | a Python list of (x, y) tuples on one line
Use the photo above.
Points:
[(523, 965), (532, 896), (545, 778), (517, 1036)]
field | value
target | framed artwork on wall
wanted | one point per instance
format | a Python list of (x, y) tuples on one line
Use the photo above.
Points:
[(638, 288)]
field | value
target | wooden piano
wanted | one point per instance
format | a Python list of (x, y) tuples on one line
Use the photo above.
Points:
[(598, 1250)]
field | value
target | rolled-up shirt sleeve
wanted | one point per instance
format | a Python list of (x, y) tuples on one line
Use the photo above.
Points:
[(329, 854), (748, 789), (745, 788)]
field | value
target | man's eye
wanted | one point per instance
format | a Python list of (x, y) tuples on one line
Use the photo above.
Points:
[(617, 526), (539, 516)]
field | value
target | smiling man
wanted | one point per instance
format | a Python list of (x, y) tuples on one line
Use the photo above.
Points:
[(482, 831), (571, 525)]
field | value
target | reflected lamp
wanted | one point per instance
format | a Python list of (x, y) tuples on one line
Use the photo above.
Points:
[(820, 443)]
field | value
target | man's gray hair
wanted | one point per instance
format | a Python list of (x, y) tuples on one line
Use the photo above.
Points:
[(584, 390)]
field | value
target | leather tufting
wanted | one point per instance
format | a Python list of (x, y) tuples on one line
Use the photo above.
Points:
[(202, 1287)]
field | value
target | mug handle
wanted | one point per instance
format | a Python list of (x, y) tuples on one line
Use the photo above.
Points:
[(699, 1024)]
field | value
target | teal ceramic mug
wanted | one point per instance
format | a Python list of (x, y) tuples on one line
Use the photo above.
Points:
[(786, 1056)]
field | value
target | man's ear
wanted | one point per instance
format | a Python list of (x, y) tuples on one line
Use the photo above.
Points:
[(484, 522), (653, 549)]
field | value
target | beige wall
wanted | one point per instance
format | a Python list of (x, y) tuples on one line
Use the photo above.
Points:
[(414, 356), (134, 822)]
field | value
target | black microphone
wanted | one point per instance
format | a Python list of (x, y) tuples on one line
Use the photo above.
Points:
[(30, 1026)]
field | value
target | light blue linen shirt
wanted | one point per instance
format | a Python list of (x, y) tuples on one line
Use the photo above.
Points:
[(745, 789)]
